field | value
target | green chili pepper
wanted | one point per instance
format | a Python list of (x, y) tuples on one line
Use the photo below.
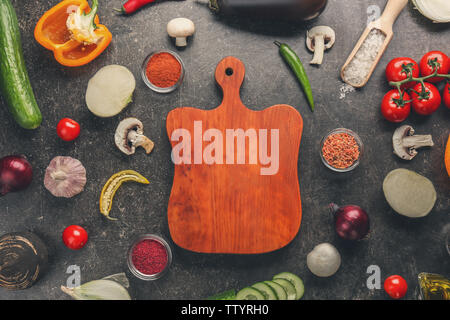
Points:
[(296, 65)]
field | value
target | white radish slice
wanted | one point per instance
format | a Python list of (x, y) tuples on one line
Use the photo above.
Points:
[(409, 193), (110, 90)]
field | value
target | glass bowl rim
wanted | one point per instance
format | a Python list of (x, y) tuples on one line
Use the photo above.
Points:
[(151, 85), (135, 271), (358, 141)]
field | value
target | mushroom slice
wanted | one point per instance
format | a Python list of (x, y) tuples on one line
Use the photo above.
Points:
[(319, 39), (130, 135), (405, 143)]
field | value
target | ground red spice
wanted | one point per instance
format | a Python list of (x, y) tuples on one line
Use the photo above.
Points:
[(340, 150), (149, 256), (163, 70)]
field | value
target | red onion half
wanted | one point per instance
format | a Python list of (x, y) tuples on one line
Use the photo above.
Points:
[(351, 222), (15, 174)]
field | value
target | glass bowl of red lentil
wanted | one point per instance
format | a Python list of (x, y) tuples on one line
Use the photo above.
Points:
[(341, 150), (163, 71), (149, 257)]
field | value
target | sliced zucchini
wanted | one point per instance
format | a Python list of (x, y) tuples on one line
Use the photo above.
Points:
[(249, 293), (266, 290), (295, 280), (288, 287), (279, 290)]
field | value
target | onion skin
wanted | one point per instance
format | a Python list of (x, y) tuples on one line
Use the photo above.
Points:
[(351, 222), (16, 174)]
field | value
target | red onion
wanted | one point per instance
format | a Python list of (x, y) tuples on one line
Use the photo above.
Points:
[(15, 174), (351, 222)]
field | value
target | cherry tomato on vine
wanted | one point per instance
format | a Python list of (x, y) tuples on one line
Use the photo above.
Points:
[(446, 95), (393, 111), (395, 71), (75, 237), (395, 286), (426, 69), (427, 106), (68, 129)]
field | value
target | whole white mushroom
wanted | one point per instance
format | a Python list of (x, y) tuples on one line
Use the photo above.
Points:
[(180, 29), (324, 260)]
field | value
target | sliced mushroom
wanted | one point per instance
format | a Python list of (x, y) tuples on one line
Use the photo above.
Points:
[(406, 143), (319, 39), (130, 135)]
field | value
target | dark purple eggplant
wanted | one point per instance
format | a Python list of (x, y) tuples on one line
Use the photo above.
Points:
[(301, 10)]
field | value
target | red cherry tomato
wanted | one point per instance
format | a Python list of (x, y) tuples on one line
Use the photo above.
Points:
[(427, 106), (391, 110), (446, 95), (395, 71), (426, 69), (68, 129), (395, 286), (75, 237)]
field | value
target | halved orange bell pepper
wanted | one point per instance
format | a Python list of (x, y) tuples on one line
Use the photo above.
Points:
[(71, 49)]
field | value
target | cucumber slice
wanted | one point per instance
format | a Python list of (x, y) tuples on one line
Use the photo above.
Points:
[(295, 280), (279, 290), (249, 293), (266, 290), (288, 287)]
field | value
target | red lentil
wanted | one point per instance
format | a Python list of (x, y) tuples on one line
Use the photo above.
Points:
[(149, 257), (340, 150)]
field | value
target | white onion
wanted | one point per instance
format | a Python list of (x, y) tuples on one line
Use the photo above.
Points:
[(110, 90), (324, 260), (436, 10)]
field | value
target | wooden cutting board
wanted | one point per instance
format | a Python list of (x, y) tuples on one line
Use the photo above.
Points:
[(221, 203)]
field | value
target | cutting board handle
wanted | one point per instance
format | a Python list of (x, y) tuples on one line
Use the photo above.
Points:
[(230, 73)]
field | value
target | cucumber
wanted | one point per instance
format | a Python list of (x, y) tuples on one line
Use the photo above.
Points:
[(227, 295), (295, 280), (14, 82), (279, 290), (266, 290), (249, 293), (288, 287)]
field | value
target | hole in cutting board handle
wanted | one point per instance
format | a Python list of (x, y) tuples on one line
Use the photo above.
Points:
[(229, 71)]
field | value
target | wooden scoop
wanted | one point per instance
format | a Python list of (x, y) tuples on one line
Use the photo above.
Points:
[(384, 24)]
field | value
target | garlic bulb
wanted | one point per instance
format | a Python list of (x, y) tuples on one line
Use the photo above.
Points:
[(436, 10), (65, 177)]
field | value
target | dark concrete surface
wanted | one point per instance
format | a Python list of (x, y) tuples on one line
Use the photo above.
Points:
[(398, 245)]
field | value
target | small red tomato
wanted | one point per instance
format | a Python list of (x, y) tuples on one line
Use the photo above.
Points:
[(68, 129), (446, 95), (395, 71), (429, 105), (395, 286), (393, 111), (75, 237), (426, 67)]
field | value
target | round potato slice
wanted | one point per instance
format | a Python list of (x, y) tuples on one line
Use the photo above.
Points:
[(409, 193)]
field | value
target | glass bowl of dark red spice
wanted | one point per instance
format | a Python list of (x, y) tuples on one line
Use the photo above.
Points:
[(163, 71), (341, 150), (149, 257)]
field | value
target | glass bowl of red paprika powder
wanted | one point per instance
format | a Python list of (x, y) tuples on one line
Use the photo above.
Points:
[(163, 71), (149, 257), (341, 150)]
